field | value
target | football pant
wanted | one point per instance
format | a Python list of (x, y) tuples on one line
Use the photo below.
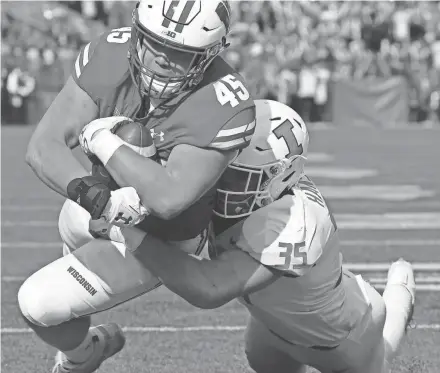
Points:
[(362, 351), (94, 275)]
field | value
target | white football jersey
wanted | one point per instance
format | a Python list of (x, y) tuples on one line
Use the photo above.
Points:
[(297, 235)]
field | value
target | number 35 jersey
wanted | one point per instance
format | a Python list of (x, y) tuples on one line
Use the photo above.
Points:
[(218, 114), (297, 236)]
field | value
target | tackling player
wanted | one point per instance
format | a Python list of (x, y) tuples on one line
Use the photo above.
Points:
[(165, 72), (277, 250)]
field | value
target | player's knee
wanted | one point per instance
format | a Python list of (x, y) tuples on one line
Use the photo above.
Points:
[(41, 304), (73, 225)]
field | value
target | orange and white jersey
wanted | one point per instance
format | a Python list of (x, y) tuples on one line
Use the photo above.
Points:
[(297, 235)]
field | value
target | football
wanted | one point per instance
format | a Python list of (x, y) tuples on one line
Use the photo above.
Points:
[(137, 137)]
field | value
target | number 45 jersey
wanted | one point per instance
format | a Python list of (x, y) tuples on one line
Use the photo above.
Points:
[(297, 235), (218, 114)]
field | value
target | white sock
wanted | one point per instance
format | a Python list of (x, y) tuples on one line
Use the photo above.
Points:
[(81, 353), (398, 303)]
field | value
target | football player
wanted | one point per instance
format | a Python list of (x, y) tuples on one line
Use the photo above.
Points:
[(165, 72), (277, 250)]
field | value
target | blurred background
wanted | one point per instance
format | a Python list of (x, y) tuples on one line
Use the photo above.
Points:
[(374, 63)]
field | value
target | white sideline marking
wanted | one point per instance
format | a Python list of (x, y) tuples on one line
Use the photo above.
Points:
[(426, 280), (319, 157), (30, 223), (375, 267), (22, 208), (354, 267), (398, 221), (392, 193), (202, 328), (13, 278), (424, 284), (370, 243), (31, 245), (384, 243), (380, 284), (339, 173)]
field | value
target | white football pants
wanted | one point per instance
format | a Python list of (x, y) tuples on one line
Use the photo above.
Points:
[(93, 275)]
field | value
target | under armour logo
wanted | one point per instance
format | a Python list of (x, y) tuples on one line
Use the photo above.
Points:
[(154, 134), (123, 218)]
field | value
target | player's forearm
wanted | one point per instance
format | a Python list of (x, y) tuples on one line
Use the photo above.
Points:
[(183, 274), (157, 189), (54, 164)]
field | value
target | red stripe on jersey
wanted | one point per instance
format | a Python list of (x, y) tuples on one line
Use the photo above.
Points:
[(237, 132), (233, 144), (249, 130)]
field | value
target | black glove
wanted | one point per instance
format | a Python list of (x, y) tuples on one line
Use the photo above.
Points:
[(91, 193)]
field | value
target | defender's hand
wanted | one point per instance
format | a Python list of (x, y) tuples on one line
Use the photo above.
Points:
[(124, 208), (131, 237), (91, 130)]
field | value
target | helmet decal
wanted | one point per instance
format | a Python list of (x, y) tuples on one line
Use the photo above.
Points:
[(285, 131), (184, 15), (223, 11)]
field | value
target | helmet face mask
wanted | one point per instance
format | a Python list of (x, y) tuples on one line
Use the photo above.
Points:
[(271, 164), (162, 64), (244, 189), (237, 191)]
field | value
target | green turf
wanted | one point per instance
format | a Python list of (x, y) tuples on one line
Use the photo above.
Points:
[(201, 352)]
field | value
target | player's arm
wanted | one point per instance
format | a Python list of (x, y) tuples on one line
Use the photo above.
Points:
[(167, 191), (189, 172), (49, 150), (205, 283)]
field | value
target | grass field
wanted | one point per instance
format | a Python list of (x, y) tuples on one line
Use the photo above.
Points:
[(383, 185)]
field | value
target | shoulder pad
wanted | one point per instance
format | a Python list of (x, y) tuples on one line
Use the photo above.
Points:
[(223, 108), (103, 62)]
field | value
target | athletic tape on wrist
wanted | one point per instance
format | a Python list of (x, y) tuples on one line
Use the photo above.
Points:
[(105, 144)]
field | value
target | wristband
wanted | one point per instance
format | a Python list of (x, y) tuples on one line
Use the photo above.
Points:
[(105, 144)]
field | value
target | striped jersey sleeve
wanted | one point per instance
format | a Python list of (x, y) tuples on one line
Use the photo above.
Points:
[(236, 134), (83, 61), (102, 63)]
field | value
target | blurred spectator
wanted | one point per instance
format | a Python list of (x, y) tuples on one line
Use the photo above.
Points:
[(290, 51), (19, 86)]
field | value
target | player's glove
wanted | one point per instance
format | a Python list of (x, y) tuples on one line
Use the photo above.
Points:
[(91, 193), (89, 136), (124, 208)]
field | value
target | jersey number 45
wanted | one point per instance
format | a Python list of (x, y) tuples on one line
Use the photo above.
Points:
[(230, 90)]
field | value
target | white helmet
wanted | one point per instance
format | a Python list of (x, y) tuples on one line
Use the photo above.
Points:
[(272, 163), (197, 27)]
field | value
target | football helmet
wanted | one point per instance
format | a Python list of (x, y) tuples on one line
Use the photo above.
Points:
[(272, 163), (193, 30)]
